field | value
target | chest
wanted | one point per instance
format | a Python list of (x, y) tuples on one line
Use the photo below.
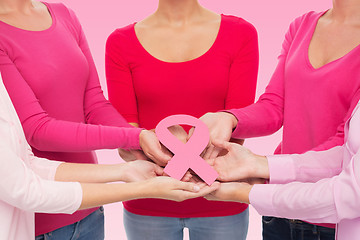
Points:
[(178, 44), (331, 42)]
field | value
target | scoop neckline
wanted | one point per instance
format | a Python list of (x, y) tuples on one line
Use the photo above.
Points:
[(52, 26), (203, 55)]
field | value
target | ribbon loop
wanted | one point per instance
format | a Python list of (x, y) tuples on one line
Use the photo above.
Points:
[(186, 155)]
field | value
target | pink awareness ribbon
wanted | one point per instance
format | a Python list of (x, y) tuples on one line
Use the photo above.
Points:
[(186, 155)]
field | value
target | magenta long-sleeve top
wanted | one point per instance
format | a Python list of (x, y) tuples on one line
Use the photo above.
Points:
[(312, 104), (52, 81)]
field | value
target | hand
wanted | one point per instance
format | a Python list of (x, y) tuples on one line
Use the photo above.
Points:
[(153, 149), (233, 191), (172, 189), (139, 170), (239, 163), (131, 155), (220, 126), (179, 133)]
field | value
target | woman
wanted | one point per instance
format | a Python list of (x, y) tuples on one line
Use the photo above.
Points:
[(182, 59), (51, 78), (315, 186), (311, 94), (27, 185)]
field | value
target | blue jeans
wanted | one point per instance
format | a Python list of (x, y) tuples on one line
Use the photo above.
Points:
[(139, 227), (89, 228), (285, 229)]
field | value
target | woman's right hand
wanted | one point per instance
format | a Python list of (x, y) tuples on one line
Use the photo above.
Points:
[(221, 125), (172, 189)]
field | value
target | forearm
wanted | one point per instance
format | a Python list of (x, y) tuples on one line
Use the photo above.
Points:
[(308, 167), (100, 194), (89, 173)]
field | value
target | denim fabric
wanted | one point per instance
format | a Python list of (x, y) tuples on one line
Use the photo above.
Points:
[(89, 228), (285, 229), (139, 227)]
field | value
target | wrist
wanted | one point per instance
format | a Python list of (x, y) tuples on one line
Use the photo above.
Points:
[(231, 119), (262, 167), (243, 193)]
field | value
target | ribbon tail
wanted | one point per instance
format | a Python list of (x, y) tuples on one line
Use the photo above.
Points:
[(176, 168), (204, 170)]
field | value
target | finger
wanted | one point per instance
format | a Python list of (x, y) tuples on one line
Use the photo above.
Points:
[(205, 191), (187, 177), (215, 152), (158, 170), (187, 186), (191, 131), (208, 152), (222, 144)]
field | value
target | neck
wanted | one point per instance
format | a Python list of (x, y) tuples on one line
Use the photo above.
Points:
[(178, 11), (347, 11), (15, 5)]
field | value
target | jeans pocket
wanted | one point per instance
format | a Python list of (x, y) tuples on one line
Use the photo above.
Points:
[(268, 220)]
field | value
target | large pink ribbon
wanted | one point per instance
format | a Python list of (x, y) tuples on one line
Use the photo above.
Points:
[(186, 155)]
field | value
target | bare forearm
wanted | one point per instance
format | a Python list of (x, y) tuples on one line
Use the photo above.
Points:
[(89, 173), (99, 194)]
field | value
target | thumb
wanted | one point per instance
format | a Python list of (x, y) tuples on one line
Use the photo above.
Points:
[(222, 144), (188, 186)]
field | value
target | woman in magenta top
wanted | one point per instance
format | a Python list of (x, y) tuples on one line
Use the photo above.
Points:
[(183, 59), (312, 93), (318, 186), (51, 78)]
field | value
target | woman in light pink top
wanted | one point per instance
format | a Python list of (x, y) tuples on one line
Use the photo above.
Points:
[(316, 186)]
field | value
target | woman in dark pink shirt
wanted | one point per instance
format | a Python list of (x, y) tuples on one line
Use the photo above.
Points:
[(182, 59)]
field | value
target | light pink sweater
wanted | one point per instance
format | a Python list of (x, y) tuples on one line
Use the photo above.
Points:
[(319, 186), (25, 185)]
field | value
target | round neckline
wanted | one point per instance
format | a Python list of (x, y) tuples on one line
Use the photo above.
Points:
[(183, 62), (52, 26), (310, 37)]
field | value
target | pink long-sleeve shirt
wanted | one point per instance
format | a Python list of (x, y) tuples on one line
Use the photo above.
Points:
[(25, 186), (52, 81), (311, 104), (317, 186)]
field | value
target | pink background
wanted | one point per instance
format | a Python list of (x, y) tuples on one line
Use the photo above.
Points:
[(271, 18)]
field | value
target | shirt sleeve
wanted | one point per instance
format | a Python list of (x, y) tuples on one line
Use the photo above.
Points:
[(24, 189), (244, 70), (266, 115), (328, 200), (49, 134), (308, 167), (119, 79), (97, 109)]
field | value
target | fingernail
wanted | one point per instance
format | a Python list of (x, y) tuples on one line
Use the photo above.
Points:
[(196, 188)]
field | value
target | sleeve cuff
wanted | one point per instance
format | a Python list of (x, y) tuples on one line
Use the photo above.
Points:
[(260, 197), (281, 169)]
